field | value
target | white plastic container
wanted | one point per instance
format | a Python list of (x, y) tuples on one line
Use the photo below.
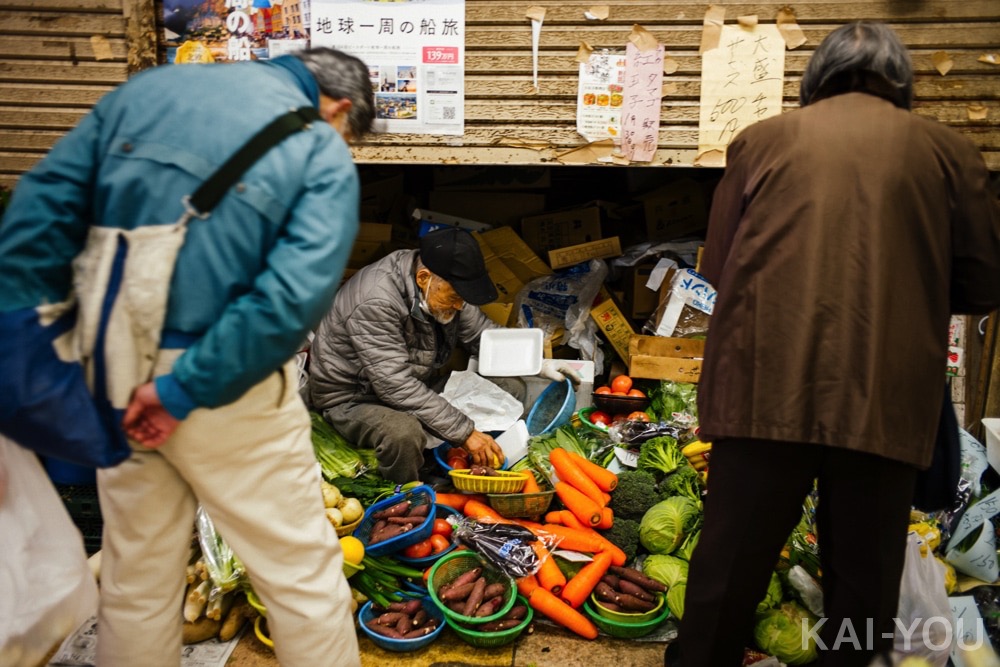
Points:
[(510, 352), (992, 425)]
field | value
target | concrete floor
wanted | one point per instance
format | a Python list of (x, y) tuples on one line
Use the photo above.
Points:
[(545, 646)]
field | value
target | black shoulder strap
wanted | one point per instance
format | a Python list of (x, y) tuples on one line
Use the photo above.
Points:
[(214, 188)]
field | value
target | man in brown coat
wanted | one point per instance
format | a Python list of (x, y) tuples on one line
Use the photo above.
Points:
[(842, 236)]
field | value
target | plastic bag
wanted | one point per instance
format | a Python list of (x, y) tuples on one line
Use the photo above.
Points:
[(922, 598), (225, 570), (508, 547), (686, 312), (48, 588), (806, 589), (638, 432)]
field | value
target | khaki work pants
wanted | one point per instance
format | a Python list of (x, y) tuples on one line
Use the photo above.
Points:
[(250, 464)]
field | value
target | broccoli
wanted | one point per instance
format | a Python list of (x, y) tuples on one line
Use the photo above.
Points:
[(660, 456), (624, 534), (682, 482), (635, 493)]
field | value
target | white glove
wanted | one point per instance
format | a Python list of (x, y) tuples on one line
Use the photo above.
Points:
[(560, 372)]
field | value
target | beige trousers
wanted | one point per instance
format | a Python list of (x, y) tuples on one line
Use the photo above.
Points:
[(250, 464)]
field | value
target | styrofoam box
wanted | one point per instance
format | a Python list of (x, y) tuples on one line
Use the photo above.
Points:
[(510, 352)]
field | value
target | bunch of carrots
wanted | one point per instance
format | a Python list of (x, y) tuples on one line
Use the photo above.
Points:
[(583, 488)]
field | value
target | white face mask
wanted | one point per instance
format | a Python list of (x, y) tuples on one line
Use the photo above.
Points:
[(425, 306)]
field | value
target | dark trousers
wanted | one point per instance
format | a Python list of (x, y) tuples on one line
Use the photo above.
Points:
[(755, 495)]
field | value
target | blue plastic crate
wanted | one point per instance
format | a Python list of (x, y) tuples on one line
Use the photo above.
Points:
[(421, 495)]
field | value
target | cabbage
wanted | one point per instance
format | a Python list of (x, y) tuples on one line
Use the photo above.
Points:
[(773, 597), (687, 546), (665, 525), (675, 600), (668, 570), (779, 632)]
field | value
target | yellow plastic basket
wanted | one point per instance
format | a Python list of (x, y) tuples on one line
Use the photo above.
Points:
[(504, 481)]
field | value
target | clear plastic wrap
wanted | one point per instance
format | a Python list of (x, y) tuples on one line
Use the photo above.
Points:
[(638, 432), (686, 312), (225, 569)]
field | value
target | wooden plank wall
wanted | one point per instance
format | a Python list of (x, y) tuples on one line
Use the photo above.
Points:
[(51, 71)]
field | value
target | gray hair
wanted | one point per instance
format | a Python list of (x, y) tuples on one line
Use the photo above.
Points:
[(848, 58), (342, 76)]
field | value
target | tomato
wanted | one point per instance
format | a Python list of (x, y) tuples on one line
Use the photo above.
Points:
[(439, 543), (419, 550), (427, 575), (636, 392), (442, 527), (456, 453), (621, 383), (618, 393), (600, 418), (603, 389), (638, 416), (458, 463)]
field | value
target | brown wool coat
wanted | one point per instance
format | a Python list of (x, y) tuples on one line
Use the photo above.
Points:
[(841, 237)]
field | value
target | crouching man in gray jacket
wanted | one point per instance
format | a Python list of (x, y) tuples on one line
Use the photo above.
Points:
[(376, 354)]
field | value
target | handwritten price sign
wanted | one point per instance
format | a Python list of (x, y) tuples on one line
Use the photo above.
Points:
[(441, 55)]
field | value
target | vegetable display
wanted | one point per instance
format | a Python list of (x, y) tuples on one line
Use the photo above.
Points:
[(666, 524)]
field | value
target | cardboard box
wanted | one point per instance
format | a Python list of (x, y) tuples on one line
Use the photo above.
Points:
[(370, 245), (640, 301), (495, 208), (498, 312), (560, 229), (612, 323), (659, 358), (584, 252), (675, 210), (510, 262)]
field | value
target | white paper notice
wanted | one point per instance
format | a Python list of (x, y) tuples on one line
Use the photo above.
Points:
[(599, 97), (742, 82), (970, 631), (641, 107), (415, 52)]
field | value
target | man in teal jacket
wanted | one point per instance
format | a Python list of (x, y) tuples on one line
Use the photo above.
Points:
[(221, 424)]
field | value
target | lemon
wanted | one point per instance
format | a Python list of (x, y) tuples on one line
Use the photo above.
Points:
[(354, 550)]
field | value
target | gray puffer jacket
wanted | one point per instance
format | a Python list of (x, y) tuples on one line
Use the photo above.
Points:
[(377, 346)]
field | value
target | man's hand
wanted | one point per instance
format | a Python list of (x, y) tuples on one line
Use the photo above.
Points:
[(560, 372), (146, 420), (483, 450)]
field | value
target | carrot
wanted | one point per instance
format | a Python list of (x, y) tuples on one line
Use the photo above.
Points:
[(618, 556), (576, 590), (483, 512), (454, 500), (585, 509), (570, 473), (569, 520), (550, 577), (574, 539), (607, 497), (603, 478), (527, 584), (607, 518), (554, 517), (556, 610), (531, 486)]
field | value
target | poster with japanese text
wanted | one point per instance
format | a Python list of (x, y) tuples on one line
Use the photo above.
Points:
[(641, 110), (742, 82), (599, 96), (415, 52), (201, 31)]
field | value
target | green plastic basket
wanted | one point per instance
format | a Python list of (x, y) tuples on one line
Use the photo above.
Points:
[(624, 630), (451, 567), (492, 639)]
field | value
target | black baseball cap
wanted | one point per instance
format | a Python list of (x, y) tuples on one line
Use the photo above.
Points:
[(455, 256)]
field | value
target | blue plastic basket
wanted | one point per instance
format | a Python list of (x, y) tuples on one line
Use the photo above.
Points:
[(401, 645), (554, 407), (421, 495), (443, 447), (443, 512)]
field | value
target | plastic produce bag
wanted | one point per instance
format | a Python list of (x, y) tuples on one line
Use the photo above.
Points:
[(48, 588), (508, 547), (225, 570), (922, 597)]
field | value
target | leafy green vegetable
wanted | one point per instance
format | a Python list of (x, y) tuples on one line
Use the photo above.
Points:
[(668, 570), (587, 444), (669, 398), (666, 524), (369, 489), (781, 632), (675, 600), (688, 545), (660, 456), (336, 456), (774, 594)]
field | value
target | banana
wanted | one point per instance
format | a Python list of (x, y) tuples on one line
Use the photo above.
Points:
[(696, 447), (699, 463)]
